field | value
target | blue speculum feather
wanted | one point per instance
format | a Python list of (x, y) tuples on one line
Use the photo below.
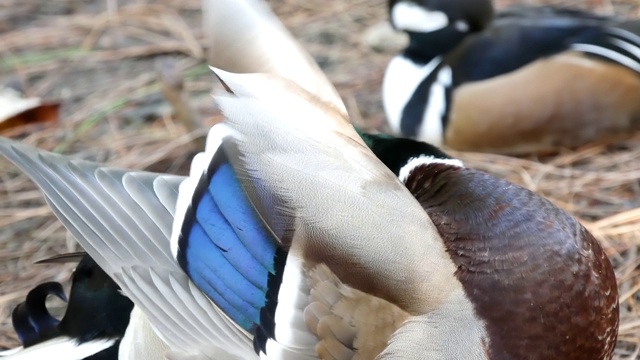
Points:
[(228, 252)]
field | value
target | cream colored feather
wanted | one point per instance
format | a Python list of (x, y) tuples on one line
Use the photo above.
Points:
[(339, 196), (244, 36), (338, 205)]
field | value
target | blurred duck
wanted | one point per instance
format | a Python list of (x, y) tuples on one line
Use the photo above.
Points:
[(95, 320), (31, 319), (290, 239), (531, 79)]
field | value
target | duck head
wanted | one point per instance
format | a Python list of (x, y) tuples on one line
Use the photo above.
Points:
[(454, 84), (402, 155), (434, 27), (442, 24)]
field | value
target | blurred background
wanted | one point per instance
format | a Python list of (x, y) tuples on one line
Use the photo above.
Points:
[(126, 82)]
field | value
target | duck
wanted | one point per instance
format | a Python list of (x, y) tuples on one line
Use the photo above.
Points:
[(292, 230), (93, 324), (529, 79), (236, 43)]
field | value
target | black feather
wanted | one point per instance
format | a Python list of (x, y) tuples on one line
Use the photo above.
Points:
[(31, 319)]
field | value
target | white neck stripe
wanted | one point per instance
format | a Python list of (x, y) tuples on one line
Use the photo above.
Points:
[(413, 163)]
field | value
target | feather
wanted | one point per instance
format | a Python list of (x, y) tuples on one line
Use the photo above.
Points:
[(98, 204), (63, 258), (60, 348), (327, 183), (256, 42), (31, 319), (321, 195), (349, 323), (140, 341)]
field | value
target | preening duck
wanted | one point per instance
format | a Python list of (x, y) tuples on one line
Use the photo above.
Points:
[(289, 234), (530, 79)]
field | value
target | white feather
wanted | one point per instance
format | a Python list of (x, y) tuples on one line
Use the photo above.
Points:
[(188, 187), (7, 352), (61, 348), (406, 170), (290, 328), (630, 47), (609, 54), (431, 129), (409, 16), (276, 351), (401, 79), (625, 34), (284, 95), (140, 341)]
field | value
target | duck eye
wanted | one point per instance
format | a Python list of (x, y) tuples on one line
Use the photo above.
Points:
[(461, 26)]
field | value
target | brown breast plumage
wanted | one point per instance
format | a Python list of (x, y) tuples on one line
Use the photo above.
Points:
[(536, 276)]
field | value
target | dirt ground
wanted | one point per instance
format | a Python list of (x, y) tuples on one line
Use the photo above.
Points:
[(99, 59)]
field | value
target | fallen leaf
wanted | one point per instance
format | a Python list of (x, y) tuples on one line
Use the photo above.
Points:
[(19, 115)]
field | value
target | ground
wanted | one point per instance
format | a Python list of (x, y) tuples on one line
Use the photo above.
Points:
[(99, 59)]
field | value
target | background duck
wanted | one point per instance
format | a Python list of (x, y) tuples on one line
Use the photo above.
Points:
[(261, 261), (95, 320), (530, 79), (31, 319)]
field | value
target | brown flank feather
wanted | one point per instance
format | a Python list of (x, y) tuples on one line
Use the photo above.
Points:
[(562, 101)]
